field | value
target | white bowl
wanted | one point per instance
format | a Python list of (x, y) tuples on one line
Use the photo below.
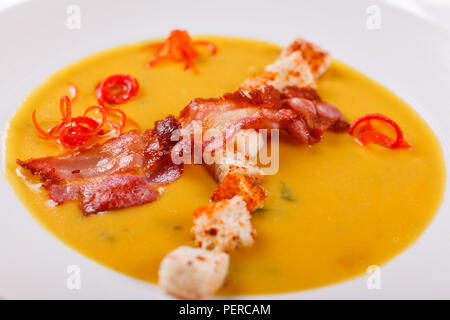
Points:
[(408, 55)]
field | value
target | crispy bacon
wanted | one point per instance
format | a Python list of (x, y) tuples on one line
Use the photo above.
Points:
[(116, 192), (300, 111), (122, 172)]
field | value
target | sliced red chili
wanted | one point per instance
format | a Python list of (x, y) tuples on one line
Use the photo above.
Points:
[(374, 136), (65, 106), (363, 131), (116, 127), (44, 134), (74, 132), (121, 114), (97, 126), (179, 47), (117, 89), (55, 130)]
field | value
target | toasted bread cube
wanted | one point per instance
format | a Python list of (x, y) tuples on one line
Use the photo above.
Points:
[(249, 142), (237, 184), (290, 70), (193, 273), (299, 65), (318, 59), (223, 225), (235, 162)]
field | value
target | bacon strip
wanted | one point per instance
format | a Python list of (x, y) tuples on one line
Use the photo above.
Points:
[(116, 192), (300, 111), (122, 172)]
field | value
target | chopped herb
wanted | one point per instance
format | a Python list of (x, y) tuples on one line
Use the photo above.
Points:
[(235, 269), (106, 236), (286, 193), (177, 228), (260, 210)]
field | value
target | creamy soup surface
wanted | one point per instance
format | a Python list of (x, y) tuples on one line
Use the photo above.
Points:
[(348, 207)]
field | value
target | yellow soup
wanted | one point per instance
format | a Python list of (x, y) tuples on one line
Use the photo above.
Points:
[(348, 207)]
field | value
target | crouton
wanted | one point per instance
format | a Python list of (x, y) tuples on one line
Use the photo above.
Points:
[(318, 59), (193, 273), (237, 184), (248, 142), (235, 162), (223, 225), (291, 70), (299, 64)]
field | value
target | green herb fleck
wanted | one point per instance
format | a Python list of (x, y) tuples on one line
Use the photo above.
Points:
[(286, 193), (235, 269), (106, 236), (261, 210), (177, 228)]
